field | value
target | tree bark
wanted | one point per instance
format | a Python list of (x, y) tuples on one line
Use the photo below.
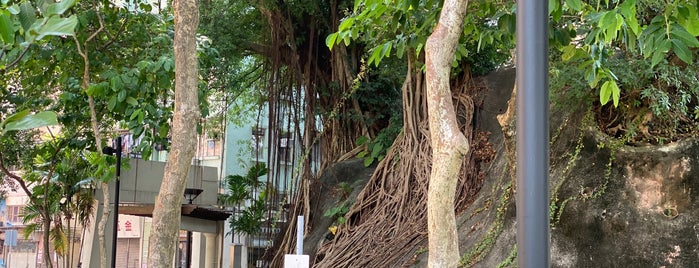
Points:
[(46, 227), (167, 211), (449, 144)]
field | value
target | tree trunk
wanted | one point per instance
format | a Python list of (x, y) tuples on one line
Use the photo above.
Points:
[(449, 145), (98, 142), (46, 227), (68, 260), (106, 209), (166, 214)]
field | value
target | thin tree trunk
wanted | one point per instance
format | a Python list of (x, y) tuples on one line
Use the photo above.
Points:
[(69, 248), (167, 211), (103, 185), (449, 145), (82, 241), (46, 227), (98, 142), (46, 217)]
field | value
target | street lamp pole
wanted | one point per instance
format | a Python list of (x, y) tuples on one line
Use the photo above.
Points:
[(116, 200), (189, 246), (533, 232), (117, 152), (190, 194)]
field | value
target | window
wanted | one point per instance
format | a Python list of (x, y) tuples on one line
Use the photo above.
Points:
[(13, 214), (258, 142), (286, 149), (211, 144)]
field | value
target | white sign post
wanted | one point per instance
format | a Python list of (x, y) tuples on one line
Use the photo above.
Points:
[(297, 260)]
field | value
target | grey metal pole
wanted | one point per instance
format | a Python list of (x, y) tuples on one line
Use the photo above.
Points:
[(532, 134), (116, 200)]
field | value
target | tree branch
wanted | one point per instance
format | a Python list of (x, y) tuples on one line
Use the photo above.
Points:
[(18, 179), (112, 38), (286, 54), (101, 21), (15, 61)]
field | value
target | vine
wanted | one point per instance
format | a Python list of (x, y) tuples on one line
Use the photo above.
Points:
[(477, 252), (510, 259), (555, 209), (585, 193), (337, 213)]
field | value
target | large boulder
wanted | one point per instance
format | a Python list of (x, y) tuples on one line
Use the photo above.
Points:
[(612, 205)]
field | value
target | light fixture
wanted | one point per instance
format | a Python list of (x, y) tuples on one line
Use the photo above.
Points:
[(191, 193)]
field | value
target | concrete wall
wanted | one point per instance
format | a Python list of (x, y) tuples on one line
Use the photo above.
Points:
[(140, 183)]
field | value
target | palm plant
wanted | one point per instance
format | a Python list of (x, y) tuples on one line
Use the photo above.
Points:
[(242, 188), (61, 199)]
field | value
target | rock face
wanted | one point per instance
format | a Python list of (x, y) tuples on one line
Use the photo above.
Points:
[(645, 213), (611, 205)]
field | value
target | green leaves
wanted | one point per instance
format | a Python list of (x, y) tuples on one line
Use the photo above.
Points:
[(674, 30), (380, 52), (609, 89), (375, 149), (36, 28), (59, 8), (687, 17), (386, 27), (554, 6), (27, 15), (23, 121), (571, 52), (20, 27), (344, 33), (131, 101), (615, 31), (338, 212), (55, 26), (660, 38), (575, 5), (610, 23), (7, 27), (682, 41), (681, 50), (680, 33), (628, 10), (241, 188), (331, 40)]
